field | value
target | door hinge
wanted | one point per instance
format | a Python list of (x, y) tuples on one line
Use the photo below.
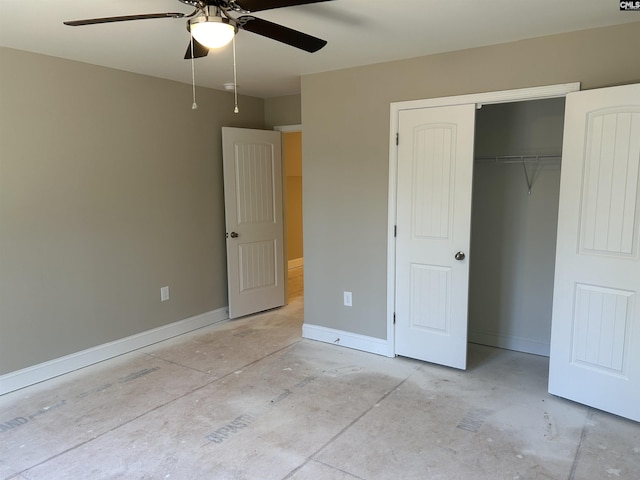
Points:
[(397, 139), (395, 230), (394, 318)]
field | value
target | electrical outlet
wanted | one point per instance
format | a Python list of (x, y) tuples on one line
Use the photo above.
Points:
[(164, 294), (348, 299)]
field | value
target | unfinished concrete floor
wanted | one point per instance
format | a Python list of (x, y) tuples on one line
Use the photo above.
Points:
[(249, 399)]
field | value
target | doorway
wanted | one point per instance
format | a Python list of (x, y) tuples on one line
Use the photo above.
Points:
[(397, 140), (516, 187)]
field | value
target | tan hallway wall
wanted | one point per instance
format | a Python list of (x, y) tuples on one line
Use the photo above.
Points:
[(292, 152)]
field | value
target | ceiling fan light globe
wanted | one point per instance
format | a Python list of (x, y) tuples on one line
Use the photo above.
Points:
[(212, 32)]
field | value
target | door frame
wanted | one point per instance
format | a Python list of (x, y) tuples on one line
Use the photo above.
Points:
[(504, 96)]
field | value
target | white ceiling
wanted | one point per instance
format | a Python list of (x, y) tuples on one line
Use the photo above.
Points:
[(359, 32)]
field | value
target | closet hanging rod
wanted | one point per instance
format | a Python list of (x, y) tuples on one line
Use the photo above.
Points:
[(521, 159)]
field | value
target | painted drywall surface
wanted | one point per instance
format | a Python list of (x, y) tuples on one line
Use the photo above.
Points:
[(513, 234), (280, 111), (292, 156), (520, 128), (346, 151), (110, 188)]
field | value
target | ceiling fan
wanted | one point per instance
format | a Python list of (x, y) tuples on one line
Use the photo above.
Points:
[(213, 23)]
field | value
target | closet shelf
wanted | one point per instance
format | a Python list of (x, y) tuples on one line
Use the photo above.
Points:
[(523, 159)]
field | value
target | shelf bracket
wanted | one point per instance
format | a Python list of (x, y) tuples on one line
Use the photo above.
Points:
[(526, 175)]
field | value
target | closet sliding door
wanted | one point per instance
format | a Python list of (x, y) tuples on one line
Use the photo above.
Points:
[(595, 337)]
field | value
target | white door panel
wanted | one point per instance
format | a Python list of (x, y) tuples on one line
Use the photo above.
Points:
[(254, 221), (435, 161), (595, 338)]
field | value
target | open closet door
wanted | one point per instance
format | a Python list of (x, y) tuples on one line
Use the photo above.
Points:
[(253, 214), (435, 164), (595, 337)]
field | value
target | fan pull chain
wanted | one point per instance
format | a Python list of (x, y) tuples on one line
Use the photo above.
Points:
[(235, 77), (194, 105)]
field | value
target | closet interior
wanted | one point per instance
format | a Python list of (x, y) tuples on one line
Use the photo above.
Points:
[(516, 185)]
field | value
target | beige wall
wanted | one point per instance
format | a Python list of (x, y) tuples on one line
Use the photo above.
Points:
[(110, 188), (346, 151), (282, 111), (292, 153)]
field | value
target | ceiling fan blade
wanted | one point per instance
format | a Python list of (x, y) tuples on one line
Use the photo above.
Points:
[(199, 50), (258, 5), (280, 33), (123, 18)]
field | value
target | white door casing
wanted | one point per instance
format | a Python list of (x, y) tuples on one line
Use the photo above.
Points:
[(479, 99), (254, 220), (595, 337), (435, 164)]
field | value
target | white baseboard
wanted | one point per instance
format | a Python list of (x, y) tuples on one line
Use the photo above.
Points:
[(509, 342), (58, 366), (347, 339), (296, 262)]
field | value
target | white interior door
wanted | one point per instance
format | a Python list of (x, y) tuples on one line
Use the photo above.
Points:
[(595, 337), (253, 209), (435, 165)]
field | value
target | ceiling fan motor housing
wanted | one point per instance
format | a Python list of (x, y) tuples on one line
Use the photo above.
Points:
[(209, 18)]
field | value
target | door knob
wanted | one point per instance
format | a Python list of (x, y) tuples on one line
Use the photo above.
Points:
[(458, 256), (234, 235)]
